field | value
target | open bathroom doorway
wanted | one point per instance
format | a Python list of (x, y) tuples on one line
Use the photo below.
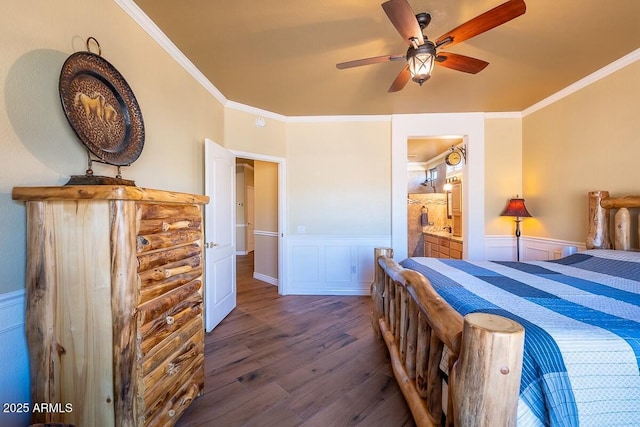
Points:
[(429, 191)]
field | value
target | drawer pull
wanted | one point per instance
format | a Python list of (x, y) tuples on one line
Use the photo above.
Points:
[(170, 320), (171, 413), (176, 225), (178, 270)]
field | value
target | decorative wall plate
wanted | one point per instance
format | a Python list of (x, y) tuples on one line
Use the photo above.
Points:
[(101, 108)]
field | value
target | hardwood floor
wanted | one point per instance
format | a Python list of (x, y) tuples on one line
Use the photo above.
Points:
[(296, 361)]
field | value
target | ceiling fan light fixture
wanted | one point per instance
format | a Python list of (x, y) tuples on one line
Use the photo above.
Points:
[(420, 61)]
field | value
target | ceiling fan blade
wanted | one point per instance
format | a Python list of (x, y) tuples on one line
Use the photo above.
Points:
[(481, 23), (367, 61), (401, 81), (459, 62), (402, 17)]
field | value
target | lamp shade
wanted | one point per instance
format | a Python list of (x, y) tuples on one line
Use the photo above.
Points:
[(517, 208)]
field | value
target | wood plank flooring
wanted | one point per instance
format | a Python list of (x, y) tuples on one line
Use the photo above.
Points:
[(296, 361)]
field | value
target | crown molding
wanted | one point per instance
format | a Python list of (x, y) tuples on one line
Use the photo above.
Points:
[(254, 110), (584, 82), (334, 119), (134, 11)]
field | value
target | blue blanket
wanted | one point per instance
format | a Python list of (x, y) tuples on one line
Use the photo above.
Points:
[(581, 316)]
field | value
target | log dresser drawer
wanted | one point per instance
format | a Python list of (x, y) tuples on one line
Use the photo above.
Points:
[(114, 302)]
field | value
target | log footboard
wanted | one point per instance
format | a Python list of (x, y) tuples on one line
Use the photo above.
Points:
[(483, 352)]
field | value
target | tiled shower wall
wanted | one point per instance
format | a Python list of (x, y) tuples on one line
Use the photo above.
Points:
[(436, 203)]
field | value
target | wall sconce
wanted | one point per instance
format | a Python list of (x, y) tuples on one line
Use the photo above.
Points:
[(517, 209), (449, 183)]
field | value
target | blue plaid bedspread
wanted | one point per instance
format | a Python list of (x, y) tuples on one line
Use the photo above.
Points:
[(581, 316)]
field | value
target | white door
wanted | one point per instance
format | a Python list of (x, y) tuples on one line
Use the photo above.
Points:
[(251, 215), (220, 260)]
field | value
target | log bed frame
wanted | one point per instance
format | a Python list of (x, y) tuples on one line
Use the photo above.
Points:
[(483, 352)]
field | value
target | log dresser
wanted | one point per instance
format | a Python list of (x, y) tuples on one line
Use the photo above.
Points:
[(114, 315)]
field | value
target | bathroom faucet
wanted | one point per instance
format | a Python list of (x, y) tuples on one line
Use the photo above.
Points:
[(448, 228)]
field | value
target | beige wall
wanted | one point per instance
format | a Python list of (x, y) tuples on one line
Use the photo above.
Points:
[(266, 195), (242, 133), (266, 212), (584, 142), (38, 145), (339, 178), (503, 171)]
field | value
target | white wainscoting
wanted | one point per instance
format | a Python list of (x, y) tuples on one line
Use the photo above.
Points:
[(503, 248), (14, 357), (332, 265)]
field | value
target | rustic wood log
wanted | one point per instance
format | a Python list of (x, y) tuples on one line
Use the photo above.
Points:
[(168, 239), (403, 322), (392, 307), (598, 234), (622, 240), (434, 377), (412, 339), (171, 369), (150, 211), (65, 309), (415, 403), (155, 307), (387, 305), (377, 289), (422, 356), (147, 261), (105, 192), (487, 374), (620, 202), (40, 314), (168, 413), (150, 292), (123, 309), (173, 343), (160, 328), (163, 272), (169, 386), (152, 226)]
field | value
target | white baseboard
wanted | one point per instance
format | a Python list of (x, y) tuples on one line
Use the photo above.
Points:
[(331, 265), (14, 357), (265, 278), (503, 248)]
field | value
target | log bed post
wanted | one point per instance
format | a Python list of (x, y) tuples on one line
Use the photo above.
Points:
[(486, 377), (378, 288), (598, 235)]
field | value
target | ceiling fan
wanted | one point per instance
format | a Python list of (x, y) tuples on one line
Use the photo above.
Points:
[(422, 54)]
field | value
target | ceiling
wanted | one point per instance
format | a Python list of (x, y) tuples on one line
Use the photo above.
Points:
[(280, 55)]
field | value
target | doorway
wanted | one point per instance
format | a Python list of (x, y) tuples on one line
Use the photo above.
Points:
[(429, 180), (260, 215), (471, 127)]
